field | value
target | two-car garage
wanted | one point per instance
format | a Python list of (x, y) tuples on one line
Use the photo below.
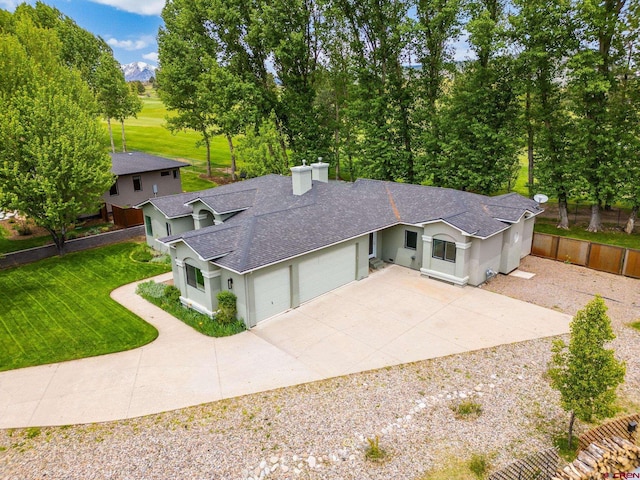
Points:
[(278, 288)]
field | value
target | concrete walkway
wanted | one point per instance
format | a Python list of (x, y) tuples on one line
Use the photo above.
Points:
[(394, 316)]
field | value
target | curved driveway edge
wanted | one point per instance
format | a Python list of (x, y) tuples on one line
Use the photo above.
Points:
[(394, 316)]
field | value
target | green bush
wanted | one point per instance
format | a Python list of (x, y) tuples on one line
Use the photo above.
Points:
[(479, 465), (167, 297), (227, 309), (373, 451), (142, 254), (171, 294), (151, 289), (467, 409)]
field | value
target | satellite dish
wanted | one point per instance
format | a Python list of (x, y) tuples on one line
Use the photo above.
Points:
[(541, 198)]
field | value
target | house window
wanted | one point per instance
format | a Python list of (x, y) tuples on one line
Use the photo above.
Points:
[(114, 189), (175, 173), (148, 225), (165, 173), (194, 277), (444, 250), (137, 183), (168, 225), (410, 239)]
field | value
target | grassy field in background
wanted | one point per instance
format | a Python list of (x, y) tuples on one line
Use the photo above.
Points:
[(147, 133), (59, 309)]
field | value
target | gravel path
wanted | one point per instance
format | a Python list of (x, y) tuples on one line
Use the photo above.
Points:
[(318, 430)]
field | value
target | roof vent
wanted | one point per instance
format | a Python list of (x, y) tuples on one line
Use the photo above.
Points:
[(301, 179), (320, 171)]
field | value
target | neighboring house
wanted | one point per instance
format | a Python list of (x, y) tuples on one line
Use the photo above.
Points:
[(277, 241), (141, 176)]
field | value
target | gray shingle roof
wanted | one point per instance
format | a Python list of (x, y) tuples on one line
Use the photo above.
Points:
[(277, 225), (138, 162)]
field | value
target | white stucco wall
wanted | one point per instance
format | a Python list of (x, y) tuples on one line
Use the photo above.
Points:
[(391, 242), (159, 227)]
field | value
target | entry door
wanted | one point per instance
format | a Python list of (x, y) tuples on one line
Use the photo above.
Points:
[(373, 244)]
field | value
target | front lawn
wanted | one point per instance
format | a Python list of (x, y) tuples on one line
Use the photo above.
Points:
[(59, 308)]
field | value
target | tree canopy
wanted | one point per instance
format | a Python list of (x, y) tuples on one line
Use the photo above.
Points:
[(53, 167), (374, 89)]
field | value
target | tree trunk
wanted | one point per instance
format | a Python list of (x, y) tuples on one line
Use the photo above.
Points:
[(595, 224), (233, 157), (208, 144), (563, 213), (58, 239), (571, 421), (113, 145), (124, 142), (631, 223), (529, 143)]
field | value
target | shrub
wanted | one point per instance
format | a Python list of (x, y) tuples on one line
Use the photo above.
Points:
[(373, 450), (467, 409), (479, 465), (172, 294), (142, 254), (151, 289), (23, 228), (227, 309)]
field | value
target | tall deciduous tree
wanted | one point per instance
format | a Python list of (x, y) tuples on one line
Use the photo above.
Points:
[(592, 85), (112, 93), (52, 164), (585, 372), (186, 48), (544, 33), (479, 147)]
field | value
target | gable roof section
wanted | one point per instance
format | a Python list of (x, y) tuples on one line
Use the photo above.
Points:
[(226, 202), (173, 206), (275, 225), (138, 162)]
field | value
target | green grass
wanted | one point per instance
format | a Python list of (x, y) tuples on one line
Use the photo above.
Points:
[(619, 239), (148, 133), (59, 308), (155, 293), (636, 325), (459, 468)]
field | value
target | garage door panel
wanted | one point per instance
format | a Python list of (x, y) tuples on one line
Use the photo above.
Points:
[(272, 293), (325, 271)]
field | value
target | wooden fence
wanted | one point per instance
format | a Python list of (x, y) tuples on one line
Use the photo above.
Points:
[(606, 258), (541, 465), (127, 217)]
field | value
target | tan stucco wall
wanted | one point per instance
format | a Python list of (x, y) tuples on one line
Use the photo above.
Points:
[(127, 196)]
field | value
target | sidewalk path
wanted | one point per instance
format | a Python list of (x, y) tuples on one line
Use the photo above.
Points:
[(358, 327)]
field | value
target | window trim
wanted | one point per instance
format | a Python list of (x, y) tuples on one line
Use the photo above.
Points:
[(406, 239), (194, 275), (139, 183), (447, 248), (113, 188), (168, 226), (175, 173), (165, 173), (148, 225)]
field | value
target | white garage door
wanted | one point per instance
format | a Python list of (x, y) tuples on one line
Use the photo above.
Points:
[(272, 293), (326, 271)]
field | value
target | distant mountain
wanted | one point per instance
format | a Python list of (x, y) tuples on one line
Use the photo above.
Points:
[(138, 71)]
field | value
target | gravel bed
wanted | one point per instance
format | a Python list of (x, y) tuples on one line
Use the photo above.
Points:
[(319, 430)]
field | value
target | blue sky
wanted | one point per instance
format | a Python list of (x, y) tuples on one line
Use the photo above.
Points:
[(129, 26)]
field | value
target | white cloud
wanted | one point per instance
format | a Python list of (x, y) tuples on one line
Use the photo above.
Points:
[(136, 44), (9, 4), (141, 7), (152, 57)]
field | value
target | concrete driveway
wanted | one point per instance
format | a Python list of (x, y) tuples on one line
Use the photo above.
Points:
[(394, 316)]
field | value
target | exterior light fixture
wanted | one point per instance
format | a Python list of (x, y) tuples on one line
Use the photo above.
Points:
[(632, 426), (230, 283)]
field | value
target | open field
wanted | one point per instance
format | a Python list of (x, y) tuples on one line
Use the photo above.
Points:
[(59, 309)]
